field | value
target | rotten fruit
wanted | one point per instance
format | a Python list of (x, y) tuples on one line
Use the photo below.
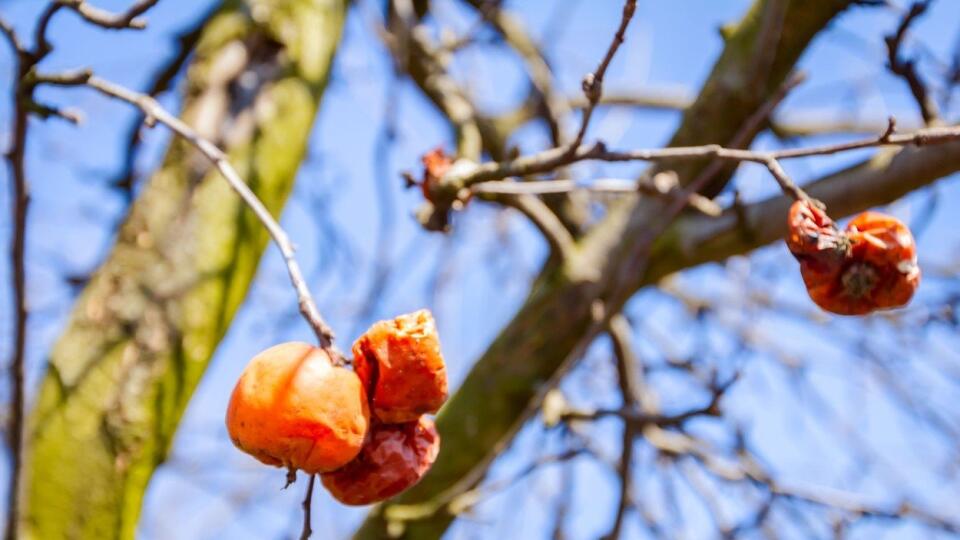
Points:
[(870, 265), (400, 364), (395, 458), (363, 430)]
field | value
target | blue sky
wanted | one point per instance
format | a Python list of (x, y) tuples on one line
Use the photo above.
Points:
[(475, 278)]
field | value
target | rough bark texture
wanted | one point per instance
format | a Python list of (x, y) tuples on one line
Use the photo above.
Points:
[(147, 324), (562, 312)]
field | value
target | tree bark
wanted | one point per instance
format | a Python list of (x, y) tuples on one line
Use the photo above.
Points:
[(144, 329), (569, 304)]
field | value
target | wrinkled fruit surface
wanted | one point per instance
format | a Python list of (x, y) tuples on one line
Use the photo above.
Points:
[(401, 367), (870, 265), (395, 458), (293, 408)]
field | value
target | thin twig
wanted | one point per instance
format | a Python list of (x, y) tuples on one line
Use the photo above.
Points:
[(24, 105), (19, 203), (307, 503), (113, 21), (547, 160), (746, 132), (907, 69), (613, 186), (629, 377), (548, 103), (593, 82), (155, 113)]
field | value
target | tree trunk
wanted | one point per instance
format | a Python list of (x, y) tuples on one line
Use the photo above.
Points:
[(144, 329)]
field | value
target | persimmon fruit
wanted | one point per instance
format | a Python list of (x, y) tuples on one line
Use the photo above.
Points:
[(870, 265), (293, 407), (395, 457), (402, 368)]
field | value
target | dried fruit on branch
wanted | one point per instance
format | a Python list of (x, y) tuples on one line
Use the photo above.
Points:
[(870, 265), (395, 458), (294, 408), (401, 367), (436, 163)]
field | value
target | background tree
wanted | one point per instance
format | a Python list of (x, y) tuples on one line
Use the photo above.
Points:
[(646, 393)]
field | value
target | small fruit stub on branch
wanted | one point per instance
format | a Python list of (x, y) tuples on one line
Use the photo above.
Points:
[(364, 431), (436, 163), (871, 265)]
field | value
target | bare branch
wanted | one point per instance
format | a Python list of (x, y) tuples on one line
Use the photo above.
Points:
[(114, 21), (658, 186), (549, 159), (546, 99), (155, 113), (593, 82), (307, 500), (19, 205), (743, 136), (907, 69), (11, 36), (629, 377)]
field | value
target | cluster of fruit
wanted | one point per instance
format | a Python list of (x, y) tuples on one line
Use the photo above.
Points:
[(363, 430), (870, 265)]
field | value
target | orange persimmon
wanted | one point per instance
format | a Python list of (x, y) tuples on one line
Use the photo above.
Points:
[(294, 408), (401, 366), (870, 265), (395, 458)]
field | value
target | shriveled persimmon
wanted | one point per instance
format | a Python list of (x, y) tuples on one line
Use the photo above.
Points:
[(402, 368), (812, 232), (294, 408), (870, 265), (394, 459)]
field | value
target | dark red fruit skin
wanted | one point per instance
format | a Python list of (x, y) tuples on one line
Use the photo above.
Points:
[(871, 265), (395, 457)]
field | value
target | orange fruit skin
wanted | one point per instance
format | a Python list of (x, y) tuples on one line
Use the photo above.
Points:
[(294, 408), (869, 266), (402, 368), (394, 459)]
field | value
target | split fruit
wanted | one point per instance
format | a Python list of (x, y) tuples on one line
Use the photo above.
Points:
[(400, 364)]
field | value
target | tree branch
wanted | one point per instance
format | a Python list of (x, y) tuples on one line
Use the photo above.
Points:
[(155, 113), (593, 82), (307, 500), (548, 160), (113, 21), (887, 176), (629, 373), (907, 69)]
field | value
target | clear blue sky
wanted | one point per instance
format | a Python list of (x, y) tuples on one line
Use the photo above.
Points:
[(209, 490)]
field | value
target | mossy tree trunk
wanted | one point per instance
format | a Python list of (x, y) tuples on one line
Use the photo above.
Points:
[(144, 329)]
